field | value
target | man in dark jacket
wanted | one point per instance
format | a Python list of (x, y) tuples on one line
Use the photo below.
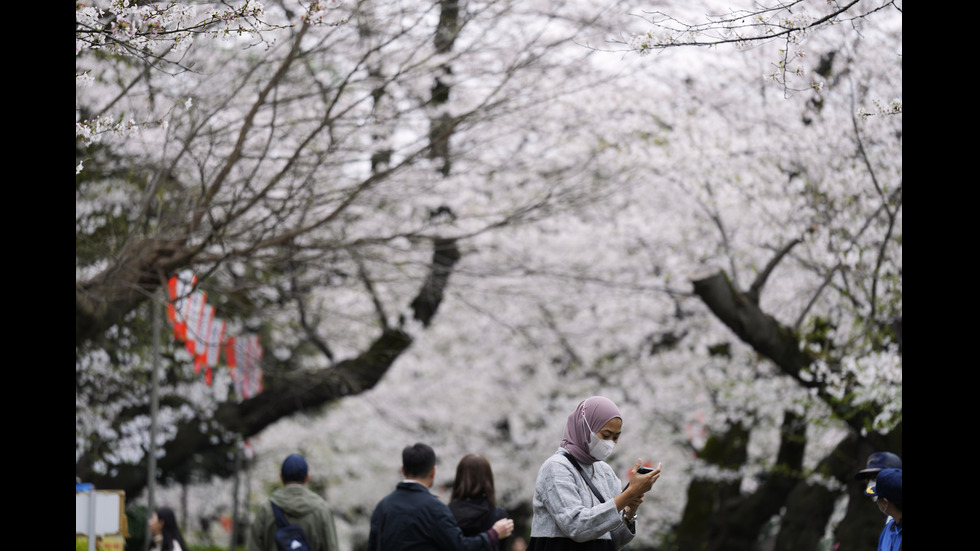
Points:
[(301, 507), (411, 517)]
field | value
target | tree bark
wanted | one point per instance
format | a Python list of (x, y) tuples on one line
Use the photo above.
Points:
[(768, 337), (809, 507), (718, 517), (705, 498), (753, 326)]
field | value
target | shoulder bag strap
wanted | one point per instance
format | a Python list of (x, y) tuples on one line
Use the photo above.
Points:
[(280, 516), (588, 481)]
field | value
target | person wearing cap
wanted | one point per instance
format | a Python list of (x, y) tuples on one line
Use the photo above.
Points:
[(876, 462), (412, 518), (887, 494), (301, 507)]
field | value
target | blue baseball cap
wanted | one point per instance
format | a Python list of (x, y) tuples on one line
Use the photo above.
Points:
[(876, 462), (294, 468), (889, 486)]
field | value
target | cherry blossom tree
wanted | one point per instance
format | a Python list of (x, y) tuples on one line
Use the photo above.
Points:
[(712, 242), (844, 350), (305, 172), (737, 291)]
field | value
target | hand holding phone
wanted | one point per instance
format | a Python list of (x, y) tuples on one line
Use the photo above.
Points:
[(641, 470)]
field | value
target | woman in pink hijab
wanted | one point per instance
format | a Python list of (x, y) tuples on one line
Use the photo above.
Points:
[(579, 502)]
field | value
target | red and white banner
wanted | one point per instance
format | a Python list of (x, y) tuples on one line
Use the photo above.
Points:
[(179, 288), (204, 336), (244, 357)]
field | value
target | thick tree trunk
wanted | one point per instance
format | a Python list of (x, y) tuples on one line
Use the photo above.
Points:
[(809, 507), (706, 498), (718, 517)]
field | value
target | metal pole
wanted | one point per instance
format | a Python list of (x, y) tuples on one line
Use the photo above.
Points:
[(91, 519), (234, 497), (151, 463)]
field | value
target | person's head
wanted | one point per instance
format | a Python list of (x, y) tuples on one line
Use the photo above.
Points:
[(418, 461), (875, 463), (887, 492), (592, 429), (294, 469), (163, 523), (474, 478)]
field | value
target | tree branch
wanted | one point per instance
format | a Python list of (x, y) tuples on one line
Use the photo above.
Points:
[(289, 391), (771, 339)]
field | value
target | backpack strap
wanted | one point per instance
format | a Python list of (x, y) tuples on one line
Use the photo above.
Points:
[(280, 516), (588, 481)]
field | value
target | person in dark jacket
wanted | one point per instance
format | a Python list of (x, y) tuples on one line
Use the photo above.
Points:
[(412, 518), (474, 501)]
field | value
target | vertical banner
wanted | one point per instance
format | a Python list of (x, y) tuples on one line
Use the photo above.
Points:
[(244, 355), (253, 376), (203, 332), (195, 317), (216, 333), (179, 288)]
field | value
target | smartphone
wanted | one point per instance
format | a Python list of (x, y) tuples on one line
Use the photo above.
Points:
[(644, 470)]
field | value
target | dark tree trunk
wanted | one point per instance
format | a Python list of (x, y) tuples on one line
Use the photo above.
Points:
[(737, 524), (706, 498), (719, 518)]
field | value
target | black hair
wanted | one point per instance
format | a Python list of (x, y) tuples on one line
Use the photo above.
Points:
[(170, 532), (418, 460)]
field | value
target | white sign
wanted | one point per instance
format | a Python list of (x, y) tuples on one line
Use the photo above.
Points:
[(107, 507)]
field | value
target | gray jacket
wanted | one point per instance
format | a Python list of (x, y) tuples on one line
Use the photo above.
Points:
[(564, 506)]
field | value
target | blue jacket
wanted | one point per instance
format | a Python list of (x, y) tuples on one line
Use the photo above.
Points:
[(891, 537), (411, 518)]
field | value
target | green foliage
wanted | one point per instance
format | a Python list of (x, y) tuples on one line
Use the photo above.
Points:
[(819, 337), (138, 521)]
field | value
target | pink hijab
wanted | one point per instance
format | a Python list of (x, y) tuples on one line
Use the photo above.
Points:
[(597, 411)]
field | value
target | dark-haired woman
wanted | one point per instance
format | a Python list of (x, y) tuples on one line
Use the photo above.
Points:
[(473, 501), (166, 533)]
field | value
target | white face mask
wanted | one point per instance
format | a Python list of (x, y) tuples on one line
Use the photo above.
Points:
[(599, 448)]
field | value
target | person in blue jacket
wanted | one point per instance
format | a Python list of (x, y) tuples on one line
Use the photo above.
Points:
[(412, 518), (887, 494)]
